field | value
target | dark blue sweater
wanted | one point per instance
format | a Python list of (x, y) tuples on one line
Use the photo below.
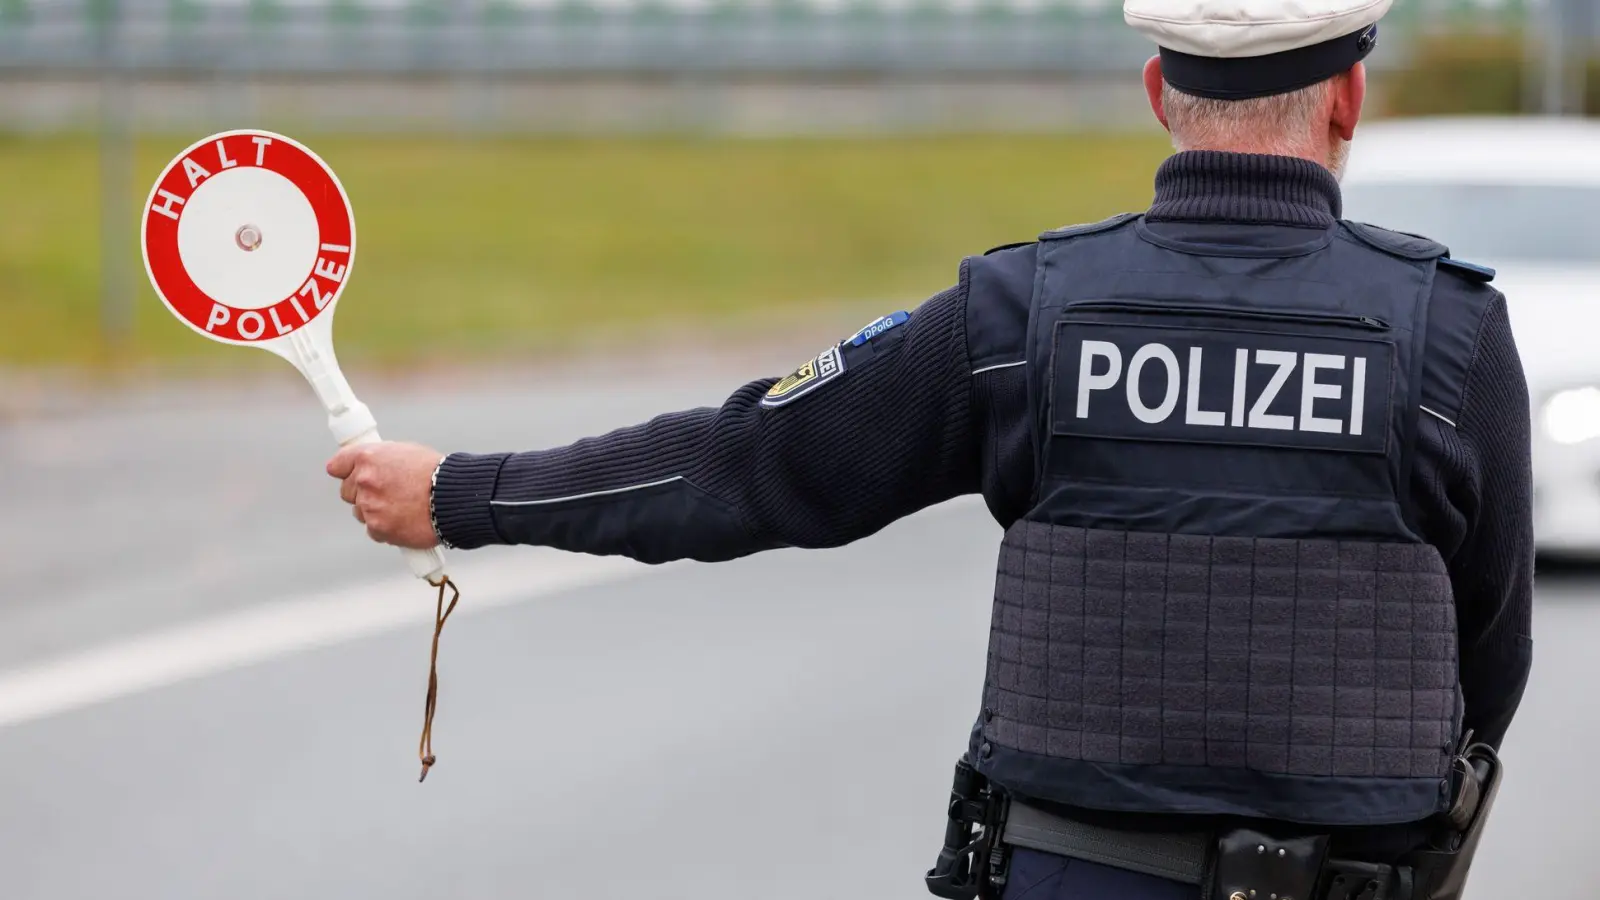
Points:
[(933, 409)]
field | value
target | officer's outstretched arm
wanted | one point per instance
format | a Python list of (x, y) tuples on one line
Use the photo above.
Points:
[(871, 430)]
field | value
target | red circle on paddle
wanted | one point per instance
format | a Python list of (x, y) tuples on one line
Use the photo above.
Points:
[(214, 244)]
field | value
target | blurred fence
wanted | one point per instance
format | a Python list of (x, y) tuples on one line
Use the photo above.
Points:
[(607, 65), (613, 36), (117, 67)]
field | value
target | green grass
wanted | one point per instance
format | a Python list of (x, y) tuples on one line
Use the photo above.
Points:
[(496, 248)]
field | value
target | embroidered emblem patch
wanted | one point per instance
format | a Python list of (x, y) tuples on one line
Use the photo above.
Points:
[(814, 374)]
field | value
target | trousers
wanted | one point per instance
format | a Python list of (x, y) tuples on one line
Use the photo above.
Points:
[(1045, 876)]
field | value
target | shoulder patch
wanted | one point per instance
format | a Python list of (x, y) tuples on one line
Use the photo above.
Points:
[(1397, 243), (879, 326), (1469, 271), (1092, 228), (827, 366)]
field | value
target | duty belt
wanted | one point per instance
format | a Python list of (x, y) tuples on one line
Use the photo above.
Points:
[(1177, 856), (1239, 864)]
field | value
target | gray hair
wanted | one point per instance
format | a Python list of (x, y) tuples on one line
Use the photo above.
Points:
[(1283, 124)]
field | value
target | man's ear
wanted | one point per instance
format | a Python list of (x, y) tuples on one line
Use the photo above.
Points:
[(1152, 88), (1349, 95)]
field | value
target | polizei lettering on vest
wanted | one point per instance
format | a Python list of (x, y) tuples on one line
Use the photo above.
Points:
[(1285, 363), (1216, 386)]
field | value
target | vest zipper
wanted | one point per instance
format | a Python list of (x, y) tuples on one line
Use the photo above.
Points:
[(1368, 322)]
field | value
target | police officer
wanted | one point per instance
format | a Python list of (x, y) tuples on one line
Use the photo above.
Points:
[(1264, 476)]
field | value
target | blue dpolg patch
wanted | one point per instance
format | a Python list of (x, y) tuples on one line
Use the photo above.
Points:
[(879, 326)]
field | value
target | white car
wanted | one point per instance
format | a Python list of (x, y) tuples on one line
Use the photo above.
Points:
[(1521, 196)]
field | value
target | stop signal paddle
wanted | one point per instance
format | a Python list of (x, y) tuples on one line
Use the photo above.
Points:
[(249, 239)]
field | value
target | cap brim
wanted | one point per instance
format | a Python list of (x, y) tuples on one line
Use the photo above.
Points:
[(1244, 78)]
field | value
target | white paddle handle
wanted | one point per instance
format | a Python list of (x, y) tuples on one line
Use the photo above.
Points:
[(348, 418), (425, 564)]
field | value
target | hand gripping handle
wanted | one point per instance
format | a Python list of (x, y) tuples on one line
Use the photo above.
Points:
[(348, 418), (425, 564)]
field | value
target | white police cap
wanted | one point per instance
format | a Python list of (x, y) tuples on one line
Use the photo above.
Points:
[(1238, 49)]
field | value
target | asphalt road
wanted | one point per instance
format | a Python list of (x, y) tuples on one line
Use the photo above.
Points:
[(782, 726)]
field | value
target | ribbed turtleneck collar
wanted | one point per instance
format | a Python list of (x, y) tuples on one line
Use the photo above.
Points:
[(1245, 188)]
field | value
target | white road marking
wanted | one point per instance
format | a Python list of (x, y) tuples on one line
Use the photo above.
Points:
[(289, 626)]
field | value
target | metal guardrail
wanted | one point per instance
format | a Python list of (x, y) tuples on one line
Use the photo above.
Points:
[(117, 47), (595, 36)]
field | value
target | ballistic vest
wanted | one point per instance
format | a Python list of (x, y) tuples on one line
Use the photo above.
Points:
[(1219, 602)]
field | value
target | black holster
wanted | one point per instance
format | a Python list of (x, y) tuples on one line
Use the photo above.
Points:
[(1440, 869), (1250, 863), (973, 862)]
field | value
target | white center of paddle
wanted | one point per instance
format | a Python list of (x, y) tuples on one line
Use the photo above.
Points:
[(248, 237)]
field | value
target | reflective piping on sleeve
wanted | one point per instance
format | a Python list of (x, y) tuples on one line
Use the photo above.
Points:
[(1437, 416), (1011, 365), (553, 500)]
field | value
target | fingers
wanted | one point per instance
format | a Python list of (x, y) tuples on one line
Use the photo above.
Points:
[(386, 486), (359, 485), (344, 462)]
